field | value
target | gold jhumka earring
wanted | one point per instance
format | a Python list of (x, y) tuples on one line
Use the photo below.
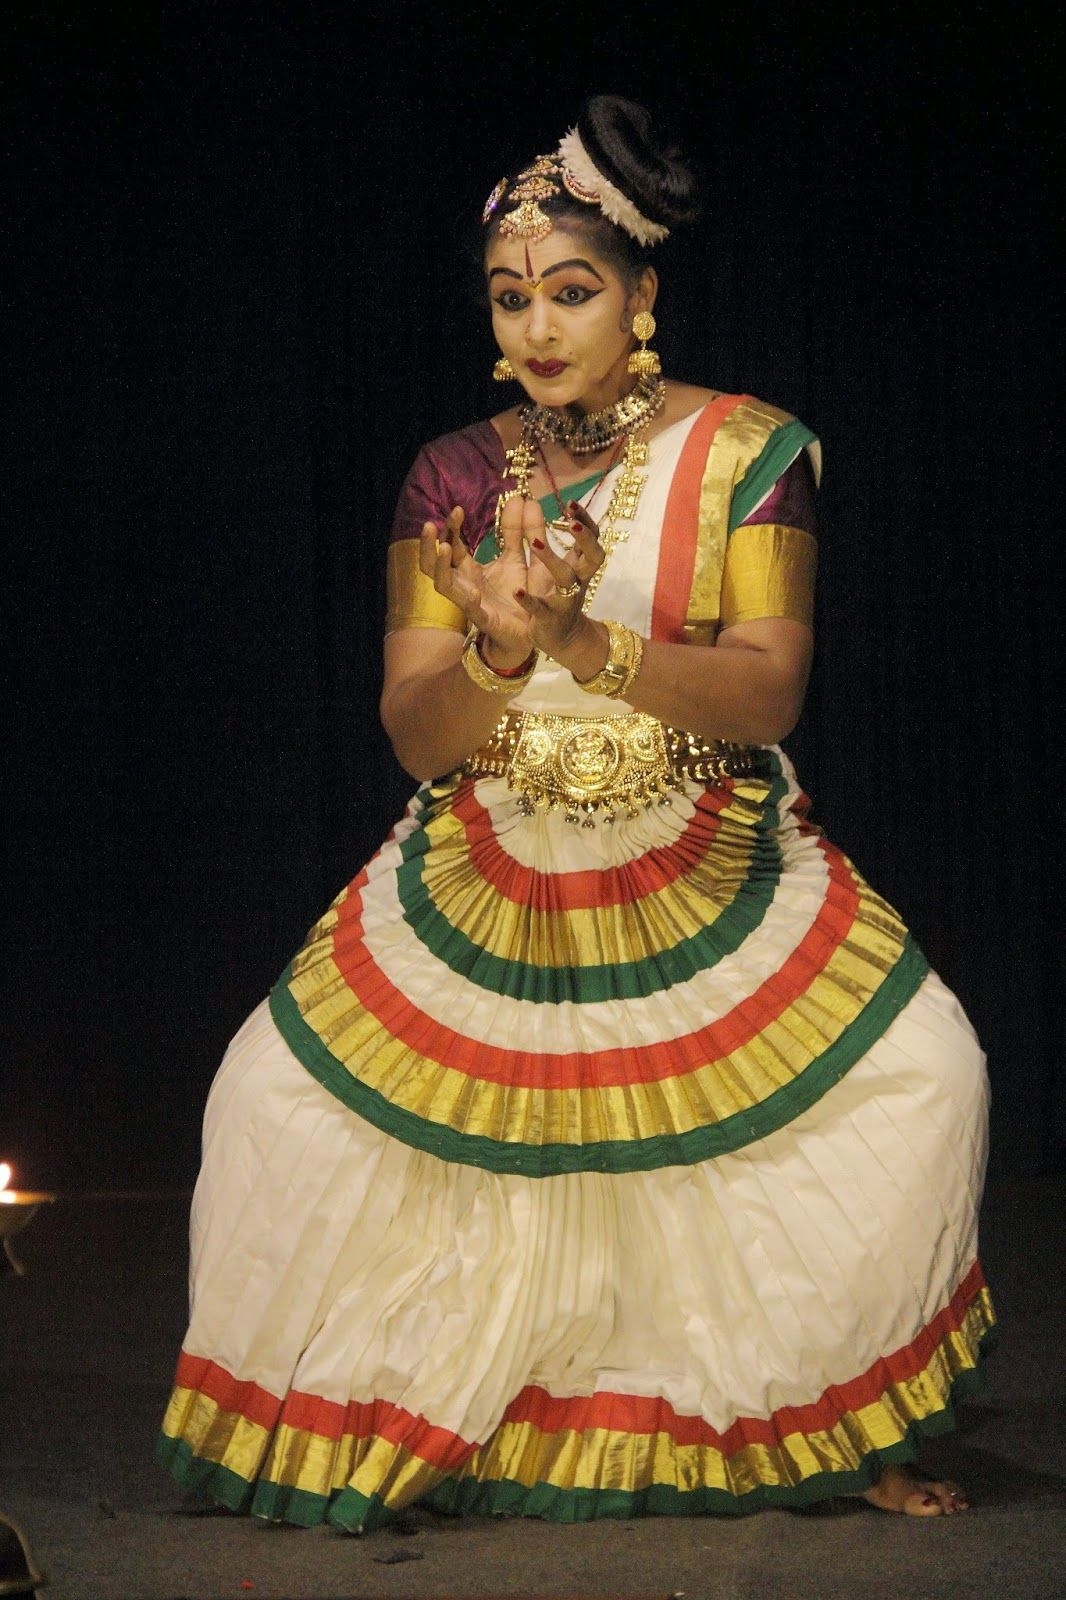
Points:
[(644, 363), (503, 372)]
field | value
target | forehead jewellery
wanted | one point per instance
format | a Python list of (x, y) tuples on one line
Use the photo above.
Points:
[(570, 167)]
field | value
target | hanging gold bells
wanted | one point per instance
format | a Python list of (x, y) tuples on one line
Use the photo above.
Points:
[(644, 362)]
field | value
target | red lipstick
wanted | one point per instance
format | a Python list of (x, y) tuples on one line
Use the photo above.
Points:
[(546, 369)]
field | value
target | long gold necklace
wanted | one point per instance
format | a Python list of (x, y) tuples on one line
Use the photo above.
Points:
[(521, 461), (623, 507)]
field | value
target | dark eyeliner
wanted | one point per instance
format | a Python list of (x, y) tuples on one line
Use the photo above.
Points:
[(585, 293)]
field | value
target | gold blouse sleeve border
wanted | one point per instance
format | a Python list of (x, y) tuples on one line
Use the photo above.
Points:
[(769, 571), (412, 600)]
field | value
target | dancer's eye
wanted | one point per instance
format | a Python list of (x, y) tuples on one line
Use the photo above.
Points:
[(576, 294)]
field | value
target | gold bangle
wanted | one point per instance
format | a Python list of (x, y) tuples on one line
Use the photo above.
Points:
[(478, 670), (625, 655)]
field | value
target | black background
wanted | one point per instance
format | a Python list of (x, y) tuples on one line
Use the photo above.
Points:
[(240, 302)]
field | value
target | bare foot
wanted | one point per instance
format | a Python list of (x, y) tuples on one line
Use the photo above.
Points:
[(900, 1489)]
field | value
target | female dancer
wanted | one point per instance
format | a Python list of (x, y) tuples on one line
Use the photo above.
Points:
[(609, 1147)]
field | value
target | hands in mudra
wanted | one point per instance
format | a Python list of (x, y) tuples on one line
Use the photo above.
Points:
[(518, 607)]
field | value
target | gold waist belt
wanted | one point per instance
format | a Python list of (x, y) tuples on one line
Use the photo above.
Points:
[(588, 764)]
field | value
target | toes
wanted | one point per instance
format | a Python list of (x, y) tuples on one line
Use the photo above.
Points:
[(916, 1497), (948, 1496), (921, 1504)]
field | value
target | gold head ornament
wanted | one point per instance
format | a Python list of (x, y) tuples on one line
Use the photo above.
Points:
[(569, 167), (541, 180)]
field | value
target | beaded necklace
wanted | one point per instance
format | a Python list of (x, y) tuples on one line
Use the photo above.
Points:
[(589, 494), (595, 430)]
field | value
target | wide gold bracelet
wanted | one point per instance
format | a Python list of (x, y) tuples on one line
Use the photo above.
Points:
[(478, 670), (625, 655)]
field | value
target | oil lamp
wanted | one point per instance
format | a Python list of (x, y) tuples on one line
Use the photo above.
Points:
[(17, 1208), (19, 1574)]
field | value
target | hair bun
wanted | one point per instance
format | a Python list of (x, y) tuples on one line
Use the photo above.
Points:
[(621, 141)]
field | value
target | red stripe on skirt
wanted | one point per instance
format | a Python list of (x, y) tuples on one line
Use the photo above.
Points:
[(623, 1413), (613, 1412), (310, 1413), (614, 1067), (589, 891)]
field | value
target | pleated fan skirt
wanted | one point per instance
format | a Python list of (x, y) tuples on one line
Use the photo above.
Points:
[(579, 1172)]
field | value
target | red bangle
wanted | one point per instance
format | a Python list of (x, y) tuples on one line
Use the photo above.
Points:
[(505, 672)]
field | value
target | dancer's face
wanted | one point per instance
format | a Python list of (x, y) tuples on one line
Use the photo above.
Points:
[(563, 316)]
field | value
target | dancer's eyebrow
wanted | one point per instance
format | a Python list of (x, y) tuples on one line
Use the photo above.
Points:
[(558, 266)]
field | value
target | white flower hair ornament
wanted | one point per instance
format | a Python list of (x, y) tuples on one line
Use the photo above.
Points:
[(585, 182)]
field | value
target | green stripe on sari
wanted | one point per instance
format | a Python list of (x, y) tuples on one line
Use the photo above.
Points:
[(551, 506), (778, 454)]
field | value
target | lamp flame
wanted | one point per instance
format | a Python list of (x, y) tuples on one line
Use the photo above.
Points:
[(5, 1174)]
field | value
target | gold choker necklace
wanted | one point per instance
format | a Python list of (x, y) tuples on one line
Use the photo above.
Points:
[(584, 435)]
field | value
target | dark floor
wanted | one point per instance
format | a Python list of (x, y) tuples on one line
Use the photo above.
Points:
[(89, 1333)]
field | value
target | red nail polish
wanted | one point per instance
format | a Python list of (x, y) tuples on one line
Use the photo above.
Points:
[(930, 1500), (520, 594), (538, 544), (576, 527)]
